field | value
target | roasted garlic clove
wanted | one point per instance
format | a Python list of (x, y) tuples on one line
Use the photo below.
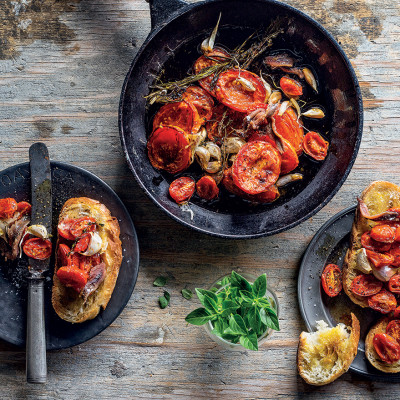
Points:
[(309, 77), (314, 112)]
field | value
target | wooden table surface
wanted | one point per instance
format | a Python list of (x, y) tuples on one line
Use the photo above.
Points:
[(62, 65)]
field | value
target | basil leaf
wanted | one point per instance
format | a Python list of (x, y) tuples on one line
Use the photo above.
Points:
[(228, 307), (236, 325), (269, 318), (202, 292), (163, 301), (260, 286), (167, 296), (264, 302), (199, 316), (247, 296), (160, 281), (240, 282), (249, 341), (225, 281), (254, 319), (187, 294), (210, 304)]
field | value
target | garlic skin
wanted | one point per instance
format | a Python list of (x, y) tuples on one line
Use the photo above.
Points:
[(94, 246), (384, 273)]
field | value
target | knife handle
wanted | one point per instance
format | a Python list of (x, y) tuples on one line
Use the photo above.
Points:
[(36, 368)]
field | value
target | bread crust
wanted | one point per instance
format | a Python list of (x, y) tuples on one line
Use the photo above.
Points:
[(372, 355), (68, 304), (379, 196)]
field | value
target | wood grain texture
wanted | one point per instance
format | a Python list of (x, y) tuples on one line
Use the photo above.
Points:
[(62, 65)]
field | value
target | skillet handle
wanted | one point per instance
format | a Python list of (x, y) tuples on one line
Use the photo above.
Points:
[(160, 10)]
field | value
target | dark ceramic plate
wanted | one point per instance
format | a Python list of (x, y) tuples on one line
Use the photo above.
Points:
[(68, 181), (329, 245)]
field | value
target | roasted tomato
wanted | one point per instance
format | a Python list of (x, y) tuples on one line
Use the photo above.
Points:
[(83, 243), (256, 167), (396, 312), (383, 233), (397, 234), (8, 207), (371, 244), (331, 280), (263, 137), (201, 100), (315, 146), (37, 248), (169, 149), (288, 126), (217, 56), (72, 277), (366, 285), (23, 207), (240, 90), (87, 262), (82, 225), (63, 254), (291, 87), (394, 283), (393, 329), (207, 188), (289, 159), (379, 259), (384, 302), (182, 189), (387, 348), (64, 227), (395, 252)]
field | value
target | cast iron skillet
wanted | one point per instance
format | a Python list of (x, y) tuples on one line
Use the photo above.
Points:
[(178, 28)]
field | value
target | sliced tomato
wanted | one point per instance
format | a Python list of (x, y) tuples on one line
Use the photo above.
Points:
[(396, 312), (24, 208), (383, 233), (87, 262), (384, 302), (256, 167), (72, 277), (37, 248), (379, 259), (291, 87), (371, 244), (182, 189), (331, 280), (203, 102), (289, 159), (394, 284), (207, 188), (63, 229), (169, 150), (82, 243), (366, 285), (393, 329), (63, 254), (233, 90), (74, 260), (8, 207), (82, 225), (315, 146), (387, 348)]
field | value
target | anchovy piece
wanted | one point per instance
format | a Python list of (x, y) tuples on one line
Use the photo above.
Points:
[(15, 233), (389, 215), (278, 61), (96, 277)]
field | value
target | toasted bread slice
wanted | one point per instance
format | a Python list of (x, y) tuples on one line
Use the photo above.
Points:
[(372, 355), (67, 303), (379, 196), (326, 354)]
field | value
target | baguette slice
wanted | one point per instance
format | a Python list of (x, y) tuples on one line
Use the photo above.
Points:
[(379, 196), (326, 354), (67, 303), (372, 355)]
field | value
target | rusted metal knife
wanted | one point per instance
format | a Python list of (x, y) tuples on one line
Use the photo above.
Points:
[(36, 367)]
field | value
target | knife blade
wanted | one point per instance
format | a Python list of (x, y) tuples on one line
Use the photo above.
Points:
[(41, 214)]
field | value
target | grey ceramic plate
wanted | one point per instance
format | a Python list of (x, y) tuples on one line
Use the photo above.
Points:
[(68, 181)]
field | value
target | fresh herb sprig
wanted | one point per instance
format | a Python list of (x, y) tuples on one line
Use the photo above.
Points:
[(239, 312)]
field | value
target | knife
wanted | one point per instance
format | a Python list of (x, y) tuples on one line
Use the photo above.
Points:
[(41, 214)]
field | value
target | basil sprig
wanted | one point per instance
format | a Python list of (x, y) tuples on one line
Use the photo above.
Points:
[(238, 312)]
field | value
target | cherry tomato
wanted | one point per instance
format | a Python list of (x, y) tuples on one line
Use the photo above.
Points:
[(332, 280), (201, 100), (63, 254), (387, 348), (207, 188), (397, 234), (393, 329), (395, 252), (232, 91), (169, 149), (371, 244), (37, 248), (383, 233), (379, 259), (87, 262), (82, 225), (396, 312), (8, 207), (182, 189), (23, 207), (289, 159), (291, 87), (256, 167), (63, 229), (83, 243), (74, 260), (394, 284), (366, 285), (384, 302), (315, 146), (72, 277)]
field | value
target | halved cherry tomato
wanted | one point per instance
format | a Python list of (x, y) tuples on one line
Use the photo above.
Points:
[(63, 254), (290, 87), (23, 207), (83, 243), (201, 100), (387, 348), (384, 302), (397, 234), (63, 229), (383, 233), (74, 260), (366, 285), (395, 252), (371, 244), (256, 167), (263, 137), (393, 329), (315, 146), (37, 248), (232, 91), (82, 225), (289, 159), (394, 284), (182, 189), (72, 277), (332, 280), (8, 207), (379, 259), (87, 262), (169, 149), (207, 188), (396, 312)]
